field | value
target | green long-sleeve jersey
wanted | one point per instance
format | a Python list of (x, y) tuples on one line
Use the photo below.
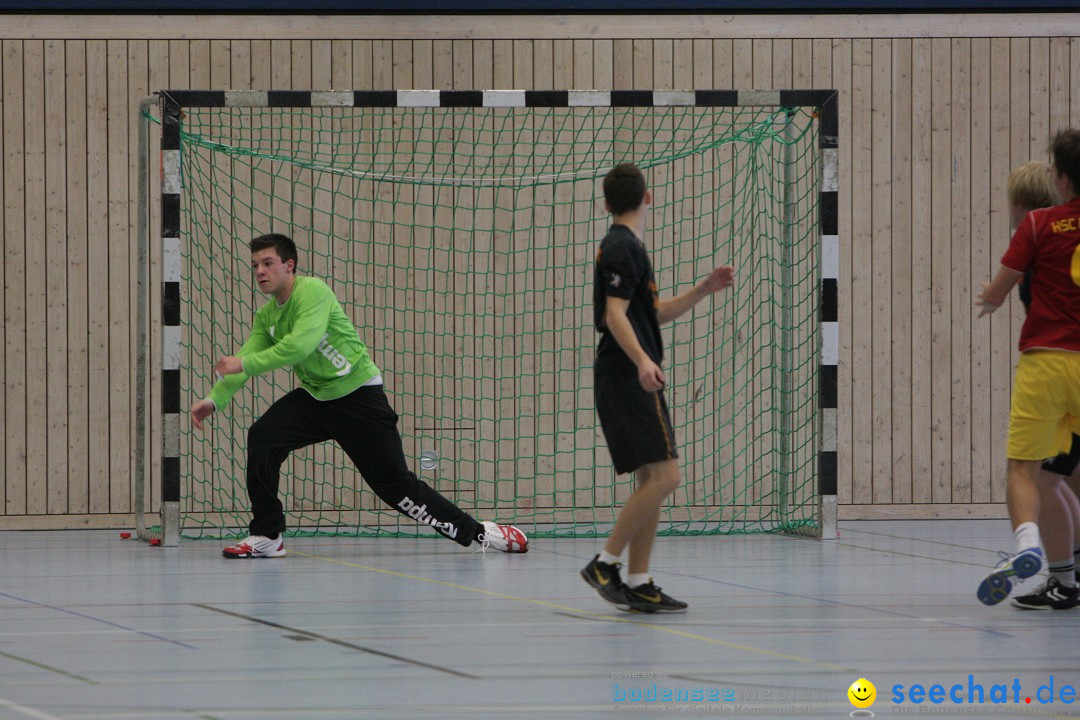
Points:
[(311, 333)]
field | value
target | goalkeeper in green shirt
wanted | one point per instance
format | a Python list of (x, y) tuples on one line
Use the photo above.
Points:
[(340, 398)]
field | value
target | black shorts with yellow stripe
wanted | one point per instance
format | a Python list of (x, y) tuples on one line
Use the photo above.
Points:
[(636, 423)]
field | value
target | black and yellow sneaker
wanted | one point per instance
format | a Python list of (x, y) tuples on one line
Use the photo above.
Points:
[(605, 580), (650, 599)]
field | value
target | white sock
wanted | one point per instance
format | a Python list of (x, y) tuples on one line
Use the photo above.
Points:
[(1027, 536), (634, 580), (1064, 571), (606, 557)]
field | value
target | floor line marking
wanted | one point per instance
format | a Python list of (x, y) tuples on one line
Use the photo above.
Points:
[(97, 619), (839, 603), (585, 615), (27, 711), (50, 668), (336, 641), (921, 540)]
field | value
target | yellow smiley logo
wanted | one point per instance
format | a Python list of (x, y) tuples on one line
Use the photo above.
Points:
[(862, 693)]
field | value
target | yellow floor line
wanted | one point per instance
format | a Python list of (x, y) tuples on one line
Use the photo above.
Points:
[(555, 606)]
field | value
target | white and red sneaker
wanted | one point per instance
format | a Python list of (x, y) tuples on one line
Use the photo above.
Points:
[(256, 546), (504, 538)]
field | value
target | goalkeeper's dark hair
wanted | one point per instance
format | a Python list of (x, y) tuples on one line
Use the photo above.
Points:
[(1065, 148), (624, 188), (282, 244)]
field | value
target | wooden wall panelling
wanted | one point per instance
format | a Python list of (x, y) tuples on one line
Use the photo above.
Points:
[(742, 64), (471, 27), (982, 445), (940, 362), (1074, 75), (77, 300), (501, 70), (1023, 113), (56, 279), (473, 65), (119, 278), (341, 65), (802, 64), (1039, 98), (961, 301), (782, 63), (363, 53), (97, 158), (939, 411), (880, 270), (862, 267), (1000, 323), (137, 89), (35, 259), (15, 358), (4, 110), (1058, 87), (902, 269)]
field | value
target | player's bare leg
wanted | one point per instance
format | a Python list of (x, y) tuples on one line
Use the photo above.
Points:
[(1022, 495), (640, 518), (655, 482)]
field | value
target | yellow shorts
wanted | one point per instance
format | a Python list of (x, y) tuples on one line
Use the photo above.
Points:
[(1045, 404)]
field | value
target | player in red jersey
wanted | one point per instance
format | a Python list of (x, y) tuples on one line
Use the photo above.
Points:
[(1046, 392)]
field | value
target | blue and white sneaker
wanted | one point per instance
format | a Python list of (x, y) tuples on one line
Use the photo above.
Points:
[(997, 586)]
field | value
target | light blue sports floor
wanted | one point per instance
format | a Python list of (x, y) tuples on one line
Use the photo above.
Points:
[(93, 627)]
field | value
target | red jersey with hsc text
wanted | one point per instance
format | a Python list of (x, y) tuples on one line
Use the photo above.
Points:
[(1048, 243)]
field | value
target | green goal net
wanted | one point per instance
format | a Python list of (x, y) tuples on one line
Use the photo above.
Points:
[(461, 241)]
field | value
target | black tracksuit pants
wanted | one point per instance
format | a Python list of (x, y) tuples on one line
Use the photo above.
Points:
[(365, 426)]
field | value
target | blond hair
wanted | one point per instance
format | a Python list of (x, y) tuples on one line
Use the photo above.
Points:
[(1031, 187)]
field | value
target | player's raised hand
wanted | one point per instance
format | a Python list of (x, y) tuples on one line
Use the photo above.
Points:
[(723, 276), (229, 365)]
